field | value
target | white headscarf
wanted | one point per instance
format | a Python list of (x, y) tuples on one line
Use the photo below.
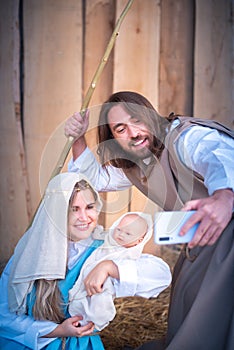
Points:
[(42, 251)]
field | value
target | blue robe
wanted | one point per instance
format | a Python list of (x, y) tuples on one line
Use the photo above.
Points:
[(72, 343)]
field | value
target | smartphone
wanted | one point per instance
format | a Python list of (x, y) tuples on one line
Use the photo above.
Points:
[(167, 226)]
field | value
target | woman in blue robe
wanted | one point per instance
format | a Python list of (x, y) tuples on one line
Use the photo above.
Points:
[(34, 287)]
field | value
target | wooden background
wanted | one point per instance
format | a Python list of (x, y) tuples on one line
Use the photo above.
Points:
[(178, 53)]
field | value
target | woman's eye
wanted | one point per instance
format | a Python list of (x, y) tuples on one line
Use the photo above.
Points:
[(91, 206), (74, 209)]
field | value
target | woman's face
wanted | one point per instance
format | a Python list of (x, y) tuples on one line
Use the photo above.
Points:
[(83, 216)]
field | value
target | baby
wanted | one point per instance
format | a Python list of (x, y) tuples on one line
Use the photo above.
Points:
[(125, 239)]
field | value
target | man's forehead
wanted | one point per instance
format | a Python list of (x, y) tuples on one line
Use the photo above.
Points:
[(117, 119), (118, 115)]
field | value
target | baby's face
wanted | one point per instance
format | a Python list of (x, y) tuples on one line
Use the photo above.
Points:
[(130, 230)]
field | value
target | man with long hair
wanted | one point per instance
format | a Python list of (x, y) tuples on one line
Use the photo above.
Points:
[(181, 163)]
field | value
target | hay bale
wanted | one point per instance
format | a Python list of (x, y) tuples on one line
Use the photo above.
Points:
[(137, 320)]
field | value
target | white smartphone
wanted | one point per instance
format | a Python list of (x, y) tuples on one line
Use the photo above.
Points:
[(168, 224)]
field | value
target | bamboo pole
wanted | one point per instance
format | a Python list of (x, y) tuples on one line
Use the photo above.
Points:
[(92, 87)]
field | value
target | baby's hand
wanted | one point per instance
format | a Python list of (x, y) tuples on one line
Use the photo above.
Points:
[(96, 278)]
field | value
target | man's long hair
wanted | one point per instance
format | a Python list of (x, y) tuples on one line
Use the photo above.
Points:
[(109, 151)]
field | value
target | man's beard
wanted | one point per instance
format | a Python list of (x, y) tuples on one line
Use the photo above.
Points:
[(137, 155)]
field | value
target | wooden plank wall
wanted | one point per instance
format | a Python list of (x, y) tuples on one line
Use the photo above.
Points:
[(179, 54), (13, 208), (176, 57), (214, 61), (53, 66)]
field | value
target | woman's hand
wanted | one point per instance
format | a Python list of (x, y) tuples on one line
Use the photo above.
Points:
[(70, 328), (76, 126), (213, 214), (95, 279)]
